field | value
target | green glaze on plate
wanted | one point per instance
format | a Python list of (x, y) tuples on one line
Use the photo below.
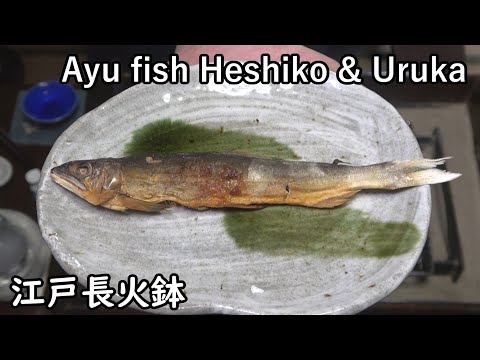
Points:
[(286, 230), (167, 136), (280, 230)]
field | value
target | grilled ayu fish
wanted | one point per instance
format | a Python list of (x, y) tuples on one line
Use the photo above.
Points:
[(215, 180)]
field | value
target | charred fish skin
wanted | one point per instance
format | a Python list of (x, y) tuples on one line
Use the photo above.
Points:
[(192, 180), (218, 180)]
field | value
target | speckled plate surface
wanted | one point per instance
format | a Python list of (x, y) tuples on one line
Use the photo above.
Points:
[(319, 122)]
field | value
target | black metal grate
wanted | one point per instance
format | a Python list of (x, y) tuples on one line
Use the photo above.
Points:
[(453, 264)]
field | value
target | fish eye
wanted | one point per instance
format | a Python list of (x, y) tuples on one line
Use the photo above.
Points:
[(83, 170)]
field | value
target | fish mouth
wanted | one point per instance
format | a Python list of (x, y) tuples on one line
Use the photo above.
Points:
[(62, 177)]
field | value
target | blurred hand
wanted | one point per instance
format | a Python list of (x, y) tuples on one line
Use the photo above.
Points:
[(191, 53)]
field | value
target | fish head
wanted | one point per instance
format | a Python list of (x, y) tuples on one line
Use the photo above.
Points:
[(96, 181)]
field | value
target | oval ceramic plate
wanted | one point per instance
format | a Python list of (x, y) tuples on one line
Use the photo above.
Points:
[(319, 122)]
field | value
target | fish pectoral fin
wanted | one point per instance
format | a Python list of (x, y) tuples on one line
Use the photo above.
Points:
[(255, 207), (251, 207), (334, 201), (140, 205)]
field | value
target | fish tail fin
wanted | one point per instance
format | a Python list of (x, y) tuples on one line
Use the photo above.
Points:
[(408, 173)]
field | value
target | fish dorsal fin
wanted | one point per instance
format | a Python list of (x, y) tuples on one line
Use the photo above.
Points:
[(140, 205)]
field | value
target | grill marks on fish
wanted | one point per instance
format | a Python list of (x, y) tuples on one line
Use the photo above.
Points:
[(186, 179)]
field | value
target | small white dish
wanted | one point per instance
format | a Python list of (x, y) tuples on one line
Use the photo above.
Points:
[(6, 171)]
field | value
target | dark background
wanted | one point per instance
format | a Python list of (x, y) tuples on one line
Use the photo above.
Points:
[(21, 66)]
